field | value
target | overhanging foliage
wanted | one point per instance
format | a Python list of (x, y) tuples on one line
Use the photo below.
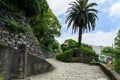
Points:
[(30, 7)]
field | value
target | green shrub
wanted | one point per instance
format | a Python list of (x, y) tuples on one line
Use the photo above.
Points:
[(86, 49), (65, 56), (117, 60), (95, 58), (31, 7), (64, 47), (75, 52)]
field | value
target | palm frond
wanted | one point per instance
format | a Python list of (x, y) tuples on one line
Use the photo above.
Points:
[(81, 14), (92, 10), (91, 5)]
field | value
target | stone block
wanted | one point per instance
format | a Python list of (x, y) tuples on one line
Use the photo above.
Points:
[(25, 42), (9, 42), (3, 23), (13, 41), (19, 42), (15, 47), (24, 37), (12, 35), (6, 39), (5, 33), (16, 36), (0, 37)]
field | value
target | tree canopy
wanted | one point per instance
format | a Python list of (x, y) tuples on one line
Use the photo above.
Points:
[(117, 40), (43, 22), (81, 16), (108, 51), (46, 27), (72, 44), (30, 7), (117, 52)]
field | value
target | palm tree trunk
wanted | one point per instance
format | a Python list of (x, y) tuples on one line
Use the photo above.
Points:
[(79, 37), (79, 42)]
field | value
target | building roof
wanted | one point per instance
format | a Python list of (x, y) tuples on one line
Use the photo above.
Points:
[(97, 49)]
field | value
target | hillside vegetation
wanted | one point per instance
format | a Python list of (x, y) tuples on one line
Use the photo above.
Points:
[(42, 22)]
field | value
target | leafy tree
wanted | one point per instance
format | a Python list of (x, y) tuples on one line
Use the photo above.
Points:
[(44, 23), (108, 51), (68, 44), (10, 5), (30, 7), (117, 40), (54, 46), (117, 60), (64, 47), (45, 28), (117, 52), (82, 17), (33, 7), (87, 49), (65, 56), (75, 52), (71, 43)]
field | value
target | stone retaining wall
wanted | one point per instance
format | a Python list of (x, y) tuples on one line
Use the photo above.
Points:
[(11, 68), (13, 40), (36, 65), (11, 61), (8, 62)]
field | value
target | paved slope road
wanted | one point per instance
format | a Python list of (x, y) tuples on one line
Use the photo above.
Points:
[(71, 71)]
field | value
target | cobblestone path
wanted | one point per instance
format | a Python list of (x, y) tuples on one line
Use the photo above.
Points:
[(71, 71)]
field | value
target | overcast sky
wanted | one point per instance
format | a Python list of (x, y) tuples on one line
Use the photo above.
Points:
[(106, 27)]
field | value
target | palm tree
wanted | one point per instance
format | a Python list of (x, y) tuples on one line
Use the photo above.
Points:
[(81, 16)]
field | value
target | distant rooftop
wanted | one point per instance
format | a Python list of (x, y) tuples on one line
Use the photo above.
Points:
[(97, 49)]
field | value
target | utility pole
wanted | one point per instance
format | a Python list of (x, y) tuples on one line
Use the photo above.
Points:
[(113, 49)]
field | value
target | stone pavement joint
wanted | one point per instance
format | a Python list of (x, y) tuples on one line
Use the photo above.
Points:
[(71, 71)]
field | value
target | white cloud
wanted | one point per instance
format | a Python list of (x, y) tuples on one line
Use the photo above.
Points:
[(99, 38), (114, 10), (61, 6), (98, 1)]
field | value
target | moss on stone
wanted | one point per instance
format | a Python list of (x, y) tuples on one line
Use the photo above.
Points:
[(1, 78), (2, 43), (16, 26)]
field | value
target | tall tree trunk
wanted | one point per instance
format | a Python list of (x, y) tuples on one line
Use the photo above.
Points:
[(79, 37), (79, 42)]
